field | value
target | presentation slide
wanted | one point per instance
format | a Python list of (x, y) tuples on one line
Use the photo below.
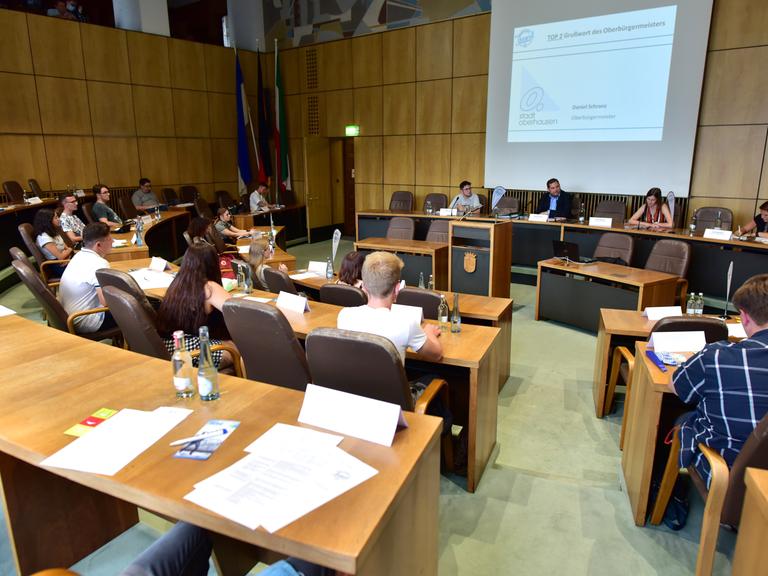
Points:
[(592, 79)]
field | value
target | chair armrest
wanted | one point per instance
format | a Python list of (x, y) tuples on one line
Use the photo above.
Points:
[(713, 509), (720, 473), (71, 318), (48, 264), (437, 386), (682, 290), (236, 359)]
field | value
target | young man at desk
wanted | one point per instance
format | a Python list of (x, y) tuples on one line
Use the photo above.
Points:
[(258, 201)]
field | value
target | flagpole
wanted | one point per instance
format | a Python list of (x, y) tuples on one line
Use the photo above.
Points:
[(277, 147), (248, 110)]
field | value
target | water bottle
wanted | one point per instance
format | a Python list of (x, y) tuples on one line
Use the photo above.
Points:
[(25, 198), (692, 226), (455, 316), (421, 280), (182, 367), (328, 269), (431, 283), (428, 207), (690, 305), (139, 231), (207, 375), (581, 213), (719, 220), (700, 306), (442, 314), (157, 213)]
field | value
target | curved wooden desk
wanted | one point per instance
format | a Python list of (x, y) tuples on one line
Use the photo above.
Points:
[(162, 238)]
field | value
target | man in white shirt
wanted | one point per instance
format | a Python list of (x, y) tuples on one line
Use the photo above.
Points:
[(381, 282), (79, 288), (258, 200), (71, 225), (466, 200)]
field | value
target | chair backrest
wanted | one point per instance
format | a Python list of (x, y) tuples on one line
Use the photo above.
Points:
[(670, 256), (137, 326), (215, 238), (754, 454), (224, 199), (437, 200), (714, 329), (483, 203), (401, 200), (612, 209), (126, 283), (438, 231), (427, 300), (127, 208), (187, 193), (54, 311), (706, 216), (34, 186), (269, 348), (202, 208), (187, 237), (342, 295), (401, 228), (27, 233), (278, 281), (14, 191), (170, 195), (508, 205), (17, 254), (371, 365), (612, 245), (88, 211)]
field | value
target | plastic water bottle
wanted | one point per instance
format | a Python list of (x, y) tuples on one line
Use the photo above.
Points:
[(139, 231), (690, 305), (207, 375), (442, 314), (719, 220), (421, 280), (182, 367), (25, 198), (431, 283), (700, 305), (692, 226), (581, 213), (328, 269), (455, 315)]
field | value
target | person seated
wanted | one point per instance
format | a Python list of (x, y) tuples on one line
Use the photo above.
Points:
[(194, 299), (143, 198), (654, 215), (224, 227), (759, 225), (466, 200), (199, 230), (258, 201), (556, 203), (259, 252), (47, 236), (70, 223), (101, 210), (79, 289), (351, 269)]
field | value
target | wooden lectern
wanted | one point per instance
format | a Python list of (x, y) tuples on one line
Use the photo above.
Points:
[(480, 257)]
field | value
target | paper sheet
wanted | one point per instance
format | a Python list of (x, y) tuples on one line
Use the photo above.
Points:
[(316, 267), (281, 434), (736, 330), (148, 279), (244, 249), (659, 312), (6, 311), (303, 275), (692, 341), (292, 302)]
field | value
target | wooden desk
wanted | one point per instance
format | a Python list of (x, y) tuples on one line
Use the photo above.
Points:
[(387, 525), (751, 554), (419, 256), (280, 256), (162, 238), (575, 293)]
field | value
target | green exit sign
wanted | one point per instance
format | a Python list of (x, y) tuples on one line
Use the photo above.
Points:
[(352, 130)]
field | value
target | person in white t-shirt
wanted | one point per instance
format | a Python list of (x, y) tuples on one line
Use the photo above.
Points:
[(381, 282), (79, 288), (258, 200)]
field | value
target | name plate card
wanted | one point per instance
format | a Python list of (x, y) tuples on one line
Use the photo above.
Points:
[(448, 212), (659, 312), (716, 234), (316, 267), (34, 200), (600, 222), (538, 217), (677, 341), (292, 302)]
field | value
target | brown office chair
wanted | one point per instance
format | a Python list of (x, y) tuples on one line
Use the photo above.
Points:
[(126, 283), (125, 204), (224, 199), (202, 208), (48, 268), (508, 205), (401, 201), (34, 186), (342, 295), (270, 350), (706, 217), (187, 238), (483, 203), (437, 200), (54, 311), (427, 300), (714, 330), (278, 281), (613, 247), (613, 209), (188, 194), (170, 196), (438, 231), (13, 191), (88, 211), (17, 254), (672, 257), (724, 499), (400, 228)]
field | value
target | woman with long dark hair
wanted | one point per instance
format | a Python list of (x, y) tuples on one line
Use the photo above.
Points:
[(653, 214), (351, 271), (47, 237)]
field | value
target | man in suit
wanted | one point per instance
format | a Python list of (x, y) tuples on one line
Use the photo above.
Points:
[(556, 203)]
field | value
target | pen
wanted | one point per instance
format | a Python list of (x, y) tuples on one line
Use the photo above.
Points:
[(201, 436), (656, 360)]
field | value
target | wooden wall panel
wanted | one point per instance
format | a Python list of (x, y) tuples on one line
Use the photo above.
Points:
[(222, 112), (369, 197), (420, 193), (313, 114), (734, 91), (71, 161), (19, 112), (194, 160), (187, 64), (296, 155), (433, 160), (148, 58), (399, 160), (15, 54), (56, 47), (23, 157), (470, 95), (190, 113), (230, 187), (299, 192), (293, 116), (248, 64), (105, 52), (153, 109), (744, 209), (399, 109), (220, 69), (368, 160), (339, 111), (433, 107), (434, 49), (158, 159), (468, 158), (290, 71), (335, 65), (399, 56), (63, 105), (117, 160), (471, 37), (224, 158), (762, 194), (368, 110), (366, 61), (111, 108), (727, 161), (738, 23)]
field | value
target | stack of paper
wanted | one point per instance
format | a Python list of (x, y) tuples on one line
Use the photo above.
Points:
[(148, 279), (289, 472)]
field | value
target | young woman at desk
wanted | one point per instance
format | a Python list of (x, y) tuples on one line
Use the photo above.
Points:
[(47, 237), (351, 270), (654, 215), (759, 225), (223, 225), (259, 252)]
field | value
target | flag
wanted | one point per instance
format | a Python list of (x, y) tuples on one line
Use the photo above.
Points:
[(282, 169), (262, 120), (243, 162)]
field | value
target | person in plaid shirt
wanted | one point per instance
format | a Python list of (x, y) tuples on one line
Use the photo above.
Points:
[(728, 384)]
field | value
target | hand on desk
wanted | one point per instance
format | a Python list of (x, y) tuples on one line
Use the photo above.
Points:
[(431, 329)]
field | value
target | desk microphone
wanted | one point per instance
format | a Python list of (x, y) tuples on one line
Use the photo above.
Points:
[(455, 201), (468, 212), (725, 315)]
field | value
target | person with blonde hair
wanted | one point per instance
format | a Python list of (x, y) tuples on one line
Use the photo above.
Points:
[(260, 251)]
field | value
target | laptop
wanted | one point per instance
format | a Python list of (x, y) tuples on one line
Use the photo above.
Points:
[(569, 251)]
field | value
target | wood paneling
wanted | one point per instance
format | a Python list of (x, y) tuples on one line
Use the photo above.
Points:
[(433, 107), (727, 161), (299, 193), (71, 161), (399, 56), (399, 110), (420, 192), (187, 64), (15, 55), (190, 113), (248, 65), (224, 157), (293, 116), (313, 114), (339, 109), (468, 158), (63, 105), (220, 69), (296, 154), (158, 159), (469, 104), (290, 71), (738, 23), (18, 104), (434, 49), (117, 161), (369, 196), (743, 208), (194, 160), (433, 160), (23, 157), (148, 57), (222, 111), (105, 52), (153, 108), (762, 194), (56, 47), (230, 187), (366, 61), (111, 109), (399, 160), (734, 91), (368, 110), (471, 37), (335, 62), (368, 160)]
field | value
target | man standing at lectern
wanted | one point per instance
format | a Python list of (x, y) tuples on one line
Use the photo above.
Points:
[(557, 203)]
